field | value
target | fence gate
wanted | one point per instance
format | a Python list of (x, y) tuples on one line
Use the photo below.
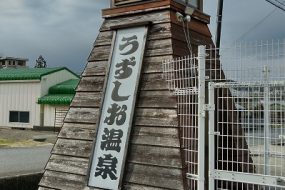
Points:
[(247, 119), (235, 104), (255, 111)]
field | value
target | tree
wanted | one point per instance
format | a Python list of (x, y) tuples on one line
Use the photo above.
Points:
[(41, 62)]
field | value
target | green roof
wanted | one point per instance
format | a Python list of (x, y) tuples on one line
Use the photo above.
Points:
[(28, 73), (67, 87), (60, 94), (56, 99)]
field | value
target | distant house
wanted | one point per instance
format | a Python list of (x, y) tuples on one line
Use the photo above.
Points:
[(13, 62), (56, 102), (30, 97)]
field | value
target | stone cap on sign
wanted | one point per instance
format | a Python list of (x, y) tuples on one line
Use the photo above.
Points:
[(194, 3)]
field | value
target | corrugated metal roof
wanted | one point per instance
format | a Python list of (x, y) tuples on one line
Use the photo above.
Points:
[(60, 94), (67, 87), (56, 99), (28, 73)]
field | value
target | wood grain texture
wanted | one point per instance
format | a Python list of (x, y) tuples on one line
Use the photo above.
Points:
[(130, 186), (154, 176), (157, 156), (156, 99), (141, 135), (154, 64), (96, 68), (146, 99), (87, 99), (150, 65), (45, 188), (64, 181), (156, 136), (68, 164), (153, 81), (73, 132), (156, 32), (91, 84), (154, 17), (104, 38), (75, 148), (100, 53), (82, 115), (156, 117)]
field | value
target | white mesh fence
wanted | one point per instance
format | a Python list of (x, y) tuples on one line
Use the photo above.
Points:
[(248, 116)]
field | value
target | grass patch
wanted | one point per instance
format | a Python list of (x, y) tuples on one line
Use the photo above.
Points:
[(4, 143)]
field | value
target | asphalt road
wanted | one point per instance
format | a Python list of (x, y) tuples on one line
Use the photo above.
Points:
[(15, 161)]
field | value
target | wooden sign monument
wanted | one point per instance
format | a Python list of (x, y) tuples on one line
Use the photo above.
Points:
[(122, 128)]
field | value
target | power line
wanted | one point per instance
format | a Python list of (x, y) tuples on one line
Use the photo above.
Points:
[(281, 5), (256, 25)]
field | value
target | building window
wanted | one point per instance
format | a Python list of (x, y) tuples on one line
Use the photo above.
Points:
[(19, 116)]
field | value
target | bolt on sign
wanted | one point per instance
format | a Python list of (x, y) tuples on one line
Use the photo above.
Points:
[(109, 154)]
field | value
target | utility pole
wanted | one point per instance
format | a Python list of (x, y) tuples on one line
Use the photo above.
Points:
[(219, 23)]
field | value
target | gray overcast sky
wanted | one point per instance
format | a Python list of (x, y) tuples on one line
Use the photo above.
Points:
[(63, 31)]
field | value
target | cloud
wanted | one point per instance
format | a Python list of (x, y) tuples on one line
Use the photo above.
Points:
[(62, 31), (243, 18)]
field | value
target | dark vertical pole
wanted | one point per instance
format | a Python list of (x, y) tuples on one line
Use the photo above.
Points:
[(219, 23)]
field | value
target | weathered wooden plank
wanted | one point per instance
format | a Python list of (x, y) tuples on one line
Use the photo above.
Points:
[(150, 65), (87, 99), (146, 99), (158, 136), (156, 117), (157, 99), (180, 48), (156, 32), (76, 148), (130, 186), (64, 181), (153, 48), (71, 132), (144, 116), (154, 64), (45, 188), (161, 177), (153, 155), (155, 18), (154, 81), (91, 84), (196, 37), (141, 135), (159, 47), (97, 68), (82, 115), (100, 53), (80, 125), (160, 31), (104, 38), (68, 164)]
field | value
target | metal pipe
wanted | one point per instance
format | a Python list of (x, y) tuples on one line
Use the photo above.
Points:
[(219, 23)]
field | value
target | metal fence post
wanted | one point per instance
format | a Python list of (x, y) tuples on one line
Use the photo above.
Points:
[(201, 116), (211, 121), (267, 121)]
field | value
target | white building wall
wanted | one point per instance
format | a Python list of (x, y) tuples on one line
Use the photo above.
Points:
[(19, 96), (50, 114), (55, 78)]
